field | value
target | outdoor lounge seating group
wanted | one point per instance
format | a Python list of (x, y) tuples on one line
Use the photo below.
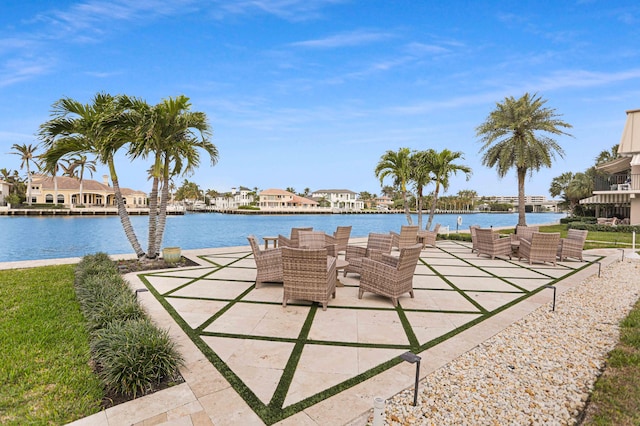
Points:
[(307, 261), (528, 243)]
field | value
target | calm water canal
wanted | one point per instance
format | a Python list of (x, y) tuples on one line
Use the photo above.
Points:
[(51, 237)]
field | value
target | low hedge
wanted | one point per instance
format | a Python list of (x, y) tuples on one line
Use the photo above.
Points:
[(131, 355), (604, 228), (581, 219)]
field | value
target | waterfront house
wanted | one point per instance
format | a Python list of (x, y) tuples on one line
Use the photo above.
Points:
[(4, 191), (279, 199), (340, 199), (237, 197), (617, 187), (66, 191)]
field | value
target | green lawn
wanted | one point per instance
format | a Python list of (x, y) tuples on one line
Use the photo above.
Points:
[(45, 376)]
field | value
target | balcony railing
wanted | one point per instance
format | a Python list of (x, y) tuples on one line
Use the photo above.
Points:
[(622, 182)]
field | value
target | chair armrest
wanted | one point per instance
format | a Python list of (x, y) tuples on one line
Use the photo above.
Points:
[(525, 243), (571, 244), (331, 265), (388, 259), (332, 250), (503, 243), (284, 241)]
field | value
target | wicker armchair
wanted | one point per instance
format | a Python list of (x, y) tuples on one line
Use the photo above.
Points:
[(428, 238), (489, 242), (341, 236), (377, 244), (572, 245), (293, 241), (390, 276), (317, 240), (543, 247), (474, 240), (407, 237), (309, 274), (268, 263)]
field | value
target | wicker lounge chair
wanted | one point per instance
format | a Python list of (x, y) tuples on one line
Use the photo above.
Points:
[(474, 241), (293, 241), (377, 244), (572, 245), (268, 263), (390, 276), (407, 237), (341, 236), (316, 240), (309, 274), (543, 247), (489, 242), (523, 233), (428, 238)]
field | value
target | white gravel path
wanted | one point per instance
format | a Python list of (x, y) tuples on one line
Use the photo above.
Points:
[(538, 371)]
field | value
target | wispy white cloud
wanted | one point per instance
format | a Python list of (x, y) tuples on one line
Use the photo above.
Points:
[(17, 70), (292, 10), (354, 38)]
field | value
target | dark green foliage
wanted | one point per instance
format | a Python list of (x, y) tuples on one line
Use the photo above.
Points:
[(604, 228), (134, 356)]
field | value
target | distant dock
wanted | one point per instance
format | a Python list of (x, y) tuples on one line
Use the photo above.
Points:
[(90, 211)]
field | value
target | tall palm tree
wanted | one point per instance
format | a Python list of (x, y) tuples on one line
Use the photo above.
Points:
[(97, 128), (420, 176), (441, 166), (606, 156), (77, 166), (513, 136), (169, 133), (396, 165), (28, 157)]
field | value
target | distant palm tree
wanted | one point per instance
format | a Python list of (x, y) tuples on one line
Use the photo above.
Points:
[(441, 166), (396, 165), (78, 164), (510, 139), (28, 157), (606, 156), (420, 176)]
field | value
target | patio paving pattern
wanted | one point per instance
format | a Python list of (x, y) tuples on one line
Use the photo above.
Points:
[(259, 363)]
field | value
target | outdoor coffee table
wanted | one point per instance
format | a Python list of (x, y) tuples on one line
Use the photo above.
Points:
[(340, 264), (272, 239)]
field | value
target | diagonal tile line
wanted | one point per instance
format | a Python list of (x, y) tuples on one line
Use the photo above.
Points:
[(279, 395), (414, 343), (222, 311)]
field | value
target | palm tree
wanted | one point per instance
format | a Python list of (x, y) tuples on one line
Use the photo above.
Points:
[(77, 166), (28, 157), (98, 128), (572, 188), (511, 138), (467, 196), (397, 166), (441, 166), (606, 156), (169, 133), (420, 176)]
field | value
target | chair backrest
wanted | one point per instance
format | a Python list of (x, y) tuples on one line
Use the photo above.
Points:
[(485, 236), (408, 236), (545, 240), (525, 232), (304, 265), (577, 234), (381, 242), (342, 235), (295, 235), (312, 239), (255, 247), (408, 259), (436, 228)]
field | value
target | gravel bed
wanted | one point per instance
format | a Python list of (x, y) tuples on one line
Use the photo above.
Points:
[(538, 371)]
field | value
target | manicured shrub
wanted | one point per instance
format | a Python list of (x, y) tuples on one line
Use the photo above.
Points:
[(96, 264), (134, 356)]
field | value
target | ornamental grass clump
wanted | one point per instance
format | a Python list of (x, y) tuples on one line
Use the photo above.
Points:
[(132, 356)]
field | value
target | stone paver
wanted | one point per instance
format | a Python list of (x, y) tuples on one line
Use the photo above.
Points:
[(239, 340)]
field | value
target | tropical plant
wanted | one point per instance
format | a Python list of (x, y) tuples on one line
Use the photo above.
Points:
[(169, 133), (98, 128), (420, 176), (78, 164), (572, 188), (514, 136), (396, 165), (606, 156), (441, 166), (28, 157)]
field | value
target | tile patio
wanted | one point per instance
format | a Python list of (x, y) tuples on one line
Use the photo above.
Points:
[(250, 361)]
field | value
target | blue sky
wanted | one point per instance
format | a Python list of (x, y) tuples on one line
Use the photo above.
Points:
[(310, 93)]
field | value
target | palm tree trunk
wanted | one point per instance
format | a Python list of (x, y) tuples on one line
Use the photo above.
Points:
[(162, 218), (522, 173), (122, 213), (419, 206), (434, 202), (407, 212), (153, 219), (28, 184)]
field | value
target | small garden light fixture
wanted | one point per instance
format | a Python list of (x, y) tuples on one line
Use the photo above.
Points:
[(413, 359)]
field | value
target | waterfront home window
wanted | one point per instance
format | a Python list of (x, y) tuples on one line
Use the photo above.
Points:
[(48, 199), (60, 199)]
